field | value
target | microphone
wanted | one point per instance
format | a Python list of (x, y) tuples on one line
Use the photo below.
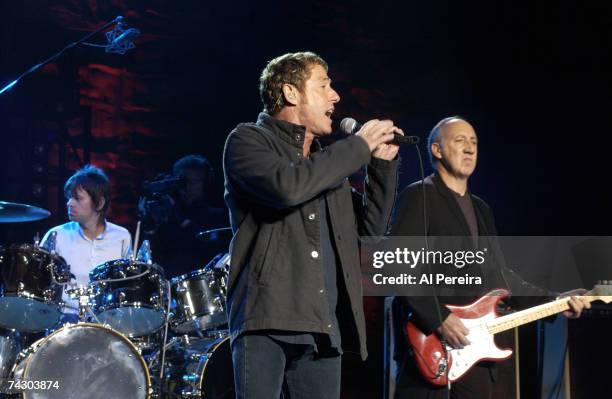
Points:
[(351, 126), (119, 39)]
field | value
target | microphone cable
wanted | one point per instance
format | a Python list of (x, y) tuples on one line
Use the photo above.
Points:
[(433, 286)]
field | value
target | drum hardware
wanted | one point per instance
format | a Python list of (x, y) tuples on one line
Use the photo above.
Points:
[(215, 235), (193, 393), (198, 356), (156, 299), (167, 322), (197, 329), (21, 289), (51, 242), (48, 295), (148, 345), (144, 253), (114, 280), (218, 334), (83, 295), (36, 240)]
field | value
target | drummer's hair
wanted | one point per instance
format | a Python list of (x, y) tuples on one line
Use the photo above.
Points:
[(95, 182)]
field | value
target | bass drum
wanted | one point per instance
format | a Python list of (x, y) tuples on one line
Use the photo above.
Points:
[(10, 345), (88, 361), (199, 368)]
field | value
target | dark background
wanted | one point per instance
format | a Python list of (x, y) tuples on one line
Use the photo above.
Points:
[(532, 77)]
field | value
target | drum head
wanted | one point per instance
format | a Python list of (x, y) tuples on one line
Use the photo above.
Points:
[(27, 315), (120, 268), (88, 361), (133, 321), (200, 323)]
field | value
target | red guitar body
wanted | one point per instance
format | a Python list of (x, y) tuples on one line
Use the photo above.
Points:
[(429, 352)]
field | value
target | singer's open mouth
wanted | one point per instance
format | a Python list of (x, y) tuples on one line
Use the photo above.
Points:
[(329, 112)]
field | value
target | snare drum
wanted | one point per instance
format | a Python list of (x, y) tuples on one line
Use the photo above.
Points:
[(30, 289), (199, 297), (84, 361), (129, 296)]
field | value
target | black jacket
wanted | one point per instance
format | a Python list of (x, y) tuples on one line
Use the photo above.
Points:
[(276, 275), (445, 218)]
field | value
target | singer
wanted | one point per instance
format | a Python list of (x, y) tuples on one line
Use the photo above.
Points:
[(294, 294), (88, 239)]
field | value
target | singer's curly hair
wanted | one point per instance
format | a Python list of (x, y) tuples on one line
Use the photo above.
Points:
[(291, 68)]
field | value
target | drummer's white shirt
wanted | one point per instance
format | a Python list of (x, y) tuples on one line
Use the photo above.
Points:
[(83, 254)]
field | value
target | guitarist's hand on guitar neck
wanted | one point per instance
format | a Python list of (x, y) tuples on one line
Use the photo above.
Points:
[(454, 332), (577, 303)]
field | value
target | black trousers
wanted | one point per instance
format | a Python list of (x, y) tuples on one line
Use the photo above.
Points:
[(265, 368), (475, 384)]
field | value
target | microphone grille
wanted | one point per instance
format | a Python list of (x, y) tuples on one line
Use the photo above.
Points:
[(347, 125)]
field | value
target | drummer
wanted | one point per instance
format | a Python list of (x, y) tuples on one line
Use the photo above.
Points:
[(88, 239)]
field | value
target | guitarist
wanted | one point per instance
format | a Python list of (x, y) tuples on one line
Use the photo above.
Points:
[(452, 210)]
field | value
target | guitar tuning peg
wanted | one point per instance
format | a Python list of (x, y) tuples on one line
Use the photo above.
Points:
[(598, 282)]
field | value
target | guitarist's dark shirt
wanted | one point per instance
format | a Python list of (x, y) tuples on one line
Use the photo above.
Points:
[(467, 207)]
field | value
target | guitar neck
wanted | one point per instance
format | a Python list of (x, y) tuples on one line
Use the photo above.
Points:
[(525, 316)]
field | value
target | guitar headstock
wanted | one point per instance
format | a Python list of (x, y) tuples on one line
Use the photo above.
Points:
[(601, 291)]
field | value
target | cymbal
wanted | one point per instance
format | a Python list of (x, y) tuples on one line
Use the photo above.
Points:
[(12, 212), (223, 234)]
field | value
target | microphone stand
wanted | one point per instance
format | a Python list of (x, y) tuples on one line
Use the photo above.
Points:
[(36, 67)]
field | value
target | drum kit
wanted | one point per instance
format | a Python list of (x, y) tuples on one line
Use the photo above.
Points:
[(138, 335)]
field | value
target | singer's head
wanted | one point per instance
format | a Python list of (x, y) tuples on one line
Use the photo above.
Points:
[(295, 87), (453, 147)]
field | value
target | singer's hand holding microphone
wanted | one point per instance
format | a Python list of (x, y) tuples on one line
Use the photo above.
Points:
[(379, 136), (382, 136), (376, 132)]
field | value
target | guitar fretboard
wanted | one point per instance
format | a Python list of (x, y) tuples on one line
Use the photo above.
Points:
[(512, 320)]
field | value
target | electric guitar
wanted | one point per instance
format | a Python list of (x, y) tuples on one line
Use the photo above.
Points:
[(481, 319)]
